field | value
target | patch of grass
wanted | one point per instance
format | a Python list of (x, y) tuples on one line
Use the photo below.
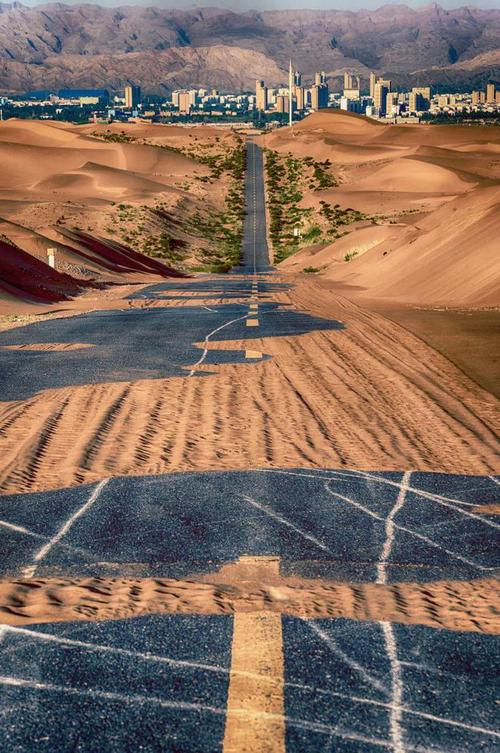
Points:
[(350, 255)]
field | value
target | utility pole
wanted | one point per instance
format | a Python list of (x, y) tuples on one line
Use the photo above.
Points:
[(51, 257), (290, 95)]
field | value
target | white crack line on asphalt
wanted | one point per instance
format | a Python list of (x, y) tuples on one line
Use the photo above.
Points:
[(390, 529), (207, 338), (30, 570), (417, 535), (364, 475), (280, 519), (352, 663), (183, 663), (135, 699), (22, 529), (361, 475), (396, 713)]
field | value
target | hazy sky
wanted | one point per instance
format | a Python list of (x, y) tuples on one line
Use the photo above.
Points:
[(242, 5)]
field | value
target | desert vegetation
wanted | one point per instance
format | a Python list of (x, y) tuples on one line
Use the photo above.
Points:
[(293, 226), (197, 235)]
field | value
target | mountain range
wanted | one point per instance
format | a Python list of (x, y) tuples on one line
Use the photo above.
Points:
[(58, 45)]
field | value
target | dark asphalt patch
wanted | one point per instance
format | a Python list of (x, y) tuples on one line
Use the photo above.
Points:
[(132, 344), (149, 696), (330, 524), (339, 675), (160, 683), (226, 287)]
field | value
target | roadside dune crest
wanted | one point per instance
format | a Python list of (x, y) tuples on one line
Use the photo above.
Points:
[(434, 197)]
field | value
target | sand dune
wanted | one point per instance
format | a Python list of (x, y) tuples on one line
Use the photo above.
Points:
[(22, 275), (451, 258), (441, 182), (96, 180), (380, 237), (60, 176), (415, 176)]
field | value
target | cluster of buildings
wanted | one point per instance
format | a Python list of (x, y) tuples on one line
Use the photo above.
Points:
[(384, 102), (314, 97), (100, 99), (381, 100)]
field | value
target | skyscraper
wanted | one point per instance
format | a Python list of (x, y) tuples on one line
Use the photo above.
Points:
[(490, 93), (185, 102), (373, 79), (351, 86), (282, 103), (319, 92), (132, 96), (420, 98), (380, 96), (392, 103), (260, 96)]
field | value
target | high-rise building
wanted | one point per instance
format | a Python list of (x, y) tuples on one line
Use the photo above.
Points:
[(380, 96), (373, 79), (282, 103), (319, 92), (184, 102), (490, 93), (351, 86), (299, 96), (132, 96), (297, 78), (475, 97), (392, 103), (420, 98), (260, 96)]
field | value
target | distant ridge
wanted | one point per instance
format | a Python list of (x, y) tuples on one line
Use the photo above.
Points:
[(59, 45)]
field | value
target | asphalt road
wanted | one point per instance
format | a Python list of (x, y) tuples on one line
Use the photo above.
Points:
[(163, 680), (171, 683), (151, 343), (255, 253)]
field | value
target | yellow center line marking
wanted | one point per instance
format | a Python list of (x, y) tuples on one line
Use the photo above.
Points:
[(255, 721), (253, 306), (252, 322), (253, 354)]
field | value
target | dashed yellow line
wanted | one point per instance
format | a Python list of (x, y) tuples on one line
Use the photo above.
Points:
[(253, 306), (252, 322), (255, 721), (253, 354)]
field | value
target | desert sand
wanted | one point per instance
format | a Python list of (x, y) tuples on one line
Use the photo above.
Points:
[(375, 397), (97, 193), (435, 192), (451, 605)]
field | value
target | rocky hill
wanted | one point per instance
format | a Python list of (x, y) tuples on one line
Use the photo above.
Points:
[(88, 45)]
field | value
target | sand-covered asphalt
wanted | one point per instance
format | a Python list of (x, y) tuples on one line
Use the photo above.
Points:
[(289, 606), (164, 678)]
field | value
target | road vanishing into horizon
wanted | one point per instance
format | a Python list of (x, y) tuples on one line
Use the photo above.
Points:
[(264, 610)]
